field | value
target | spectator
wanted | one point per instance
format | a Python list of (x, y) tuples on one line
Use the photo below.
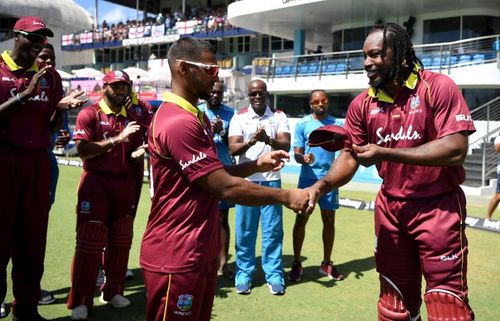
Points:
[(253, 132)]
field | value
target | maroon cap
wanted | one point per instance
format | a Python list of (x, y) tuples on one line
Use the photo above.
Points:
[(331, 138), (115, 76), (33, 24)]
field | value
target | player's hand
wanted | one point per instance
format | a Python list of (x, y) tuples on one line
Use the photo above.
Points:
[(72, 101), (34, 83), (309, 159), (314, 195), (368, 154), (261, 135), (63, 138), (128, 103), (131, 128), (272, 161), (217, 125), (298, 200), (139, 152)]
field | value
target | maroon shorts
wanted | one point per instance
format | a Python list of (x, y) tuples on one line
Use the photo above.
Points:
[(105, 197), (425, 236), (190, 295)]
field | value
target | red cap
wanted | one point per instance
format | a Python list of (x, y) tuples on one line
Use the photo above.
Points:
[(331, 138), (33, 24), (115, 76)]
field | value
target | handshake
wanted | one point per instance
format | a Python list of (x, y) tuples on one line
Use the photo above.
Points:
[(302, 201)]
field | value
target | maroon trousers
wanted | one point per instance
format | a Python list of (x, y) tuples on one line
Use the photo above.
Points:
[(425, 236), (24, 201), (181, 296)]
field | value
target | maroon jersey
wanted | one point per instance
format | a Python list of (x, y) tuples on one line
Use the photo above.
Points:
[(96, 123), (142, 110), (28, 126), (182, 233), (429, 107)]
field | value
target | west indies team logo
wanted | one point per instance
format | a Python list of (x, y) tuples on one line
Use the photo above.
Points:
[(414, 102), (185, 302), (85, 207)]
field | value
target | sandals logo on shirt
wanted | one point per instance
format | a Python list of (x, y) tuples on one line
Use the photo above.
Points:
[(185, 302), (195, 159)]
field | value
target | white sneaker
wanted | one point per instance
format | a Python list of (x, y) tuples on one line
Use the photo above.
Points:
[(118, 301), (81, 312), (3, 312)]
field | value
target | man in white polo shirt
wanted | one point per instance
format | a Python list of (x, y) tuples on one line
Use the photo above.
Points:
[(254, 131)]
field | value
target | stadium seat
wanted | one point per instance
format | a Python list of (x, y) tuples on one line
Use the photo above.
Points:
[(356, 64), (426, 61), (313, 68), (303, 69), (329, 68), (340, 68), (464, 60), (478, 58)]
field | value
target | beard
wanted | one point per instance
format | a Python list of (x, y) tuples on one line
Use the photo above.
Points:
[(116, 100), (380, 82)]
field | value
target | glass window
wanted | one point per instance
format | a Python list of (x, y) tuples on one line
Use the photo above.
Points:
[(479, 26), (442, 30), (337, 41), (265, 44), (355, 38)]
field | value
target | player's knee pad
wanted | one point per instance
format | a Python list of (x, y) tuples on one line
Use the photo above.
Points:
[(91, 239), (391, 305), (445, 305), (121, 232), (116, 255)]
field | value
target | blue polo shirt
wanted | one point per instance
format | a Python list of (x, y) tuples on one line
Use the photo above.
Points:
[(323, 159), (225, 113)]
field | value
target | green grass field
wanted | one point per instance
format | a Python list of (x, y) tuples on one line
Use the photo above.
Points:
[(314, 298)]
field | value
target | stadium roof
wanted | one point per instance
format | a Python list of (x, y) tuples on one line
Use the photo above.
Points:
[(282, 17), (58, 14)]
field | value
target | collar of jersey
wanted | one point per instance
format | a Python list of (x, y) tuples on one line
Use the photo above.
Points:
[(12, 64), (133, 96), (410, 82), (267, 113), (170, 97), (105, 108)]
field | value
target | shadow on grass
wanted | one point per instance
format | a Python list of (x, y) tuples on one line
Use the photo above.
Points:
[(354, 268), (134, 291)]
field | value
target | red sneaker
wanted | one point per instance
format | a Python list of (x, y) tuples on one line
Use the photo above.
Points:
[(328, 269)]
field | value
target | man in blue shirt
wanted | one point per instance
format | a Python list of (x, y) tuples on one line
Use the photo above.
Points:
[(220, 115), (315, 164)]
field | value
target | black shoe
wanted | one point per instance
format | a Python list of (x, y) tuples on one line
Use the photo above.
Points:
[(46, 298), (36, 317)]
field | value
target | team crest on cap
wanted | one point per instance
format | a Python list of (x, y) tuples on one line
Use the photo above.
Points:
[(118, 74), (185, 302)]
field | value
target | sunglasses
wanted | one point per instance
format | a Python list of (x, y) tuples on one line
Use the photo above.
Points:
[(211, 70), (318, 102), (255, 93), (33, 37)]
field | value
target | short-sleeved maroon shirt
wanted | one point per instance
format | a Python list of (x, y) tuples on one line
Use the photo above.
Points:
[(28, 126), (182, 233), (428, 108), (96, 123)]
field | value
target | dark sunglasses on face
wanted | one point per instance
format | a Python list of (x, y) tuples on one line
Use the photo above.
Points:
[(33, 37), (255, 93), (211, 70), (318, 102)]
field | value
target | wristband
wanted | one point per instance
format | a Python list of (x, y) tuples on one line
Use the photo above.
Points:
[(18, 98)]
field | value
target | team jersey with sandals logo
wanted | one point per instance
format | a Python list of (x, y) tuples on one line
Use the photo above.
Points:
[(25, 127), (430, 106), (182, 150), (96, 123)]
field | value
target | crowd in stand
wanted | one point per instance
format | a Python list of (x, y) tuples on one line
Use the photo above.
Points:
[(206, 20)]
